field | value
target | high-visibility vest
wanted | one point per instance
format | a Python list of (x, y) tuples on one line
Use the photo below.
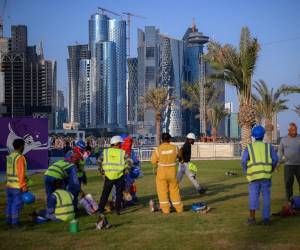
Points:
[(64, 209), (114, 163), (260, 164), (58, 169), (12, 171)]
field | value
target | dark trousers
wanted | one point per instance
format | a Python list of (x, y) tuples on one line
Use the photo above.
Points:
[(108, 185), (289, 172)]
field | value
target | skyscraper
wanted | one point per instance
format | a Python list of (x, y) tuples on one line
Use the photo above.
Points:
[(160, 63), (132, 93), (117, 34), (76, 53), (61, 111), (84, 95), (27, 79)]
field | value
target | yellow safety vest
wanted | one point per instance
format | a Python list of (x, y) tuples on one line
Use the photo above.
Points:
[(114, 163), (58, 169), (64, 209), (12, 171), (80, 168), (260, 164)]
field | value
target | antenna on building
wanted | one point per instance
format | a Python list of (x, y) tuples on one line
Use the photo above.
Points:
[(129, 15), (193, 25)]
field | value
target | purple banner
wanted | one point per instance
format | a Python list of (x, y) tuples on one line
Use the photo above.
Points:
[(34, 131)]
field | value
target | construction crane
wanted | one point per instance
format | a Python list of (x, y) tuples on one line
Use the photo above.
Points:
[(129, 15), (103, 10), (2, 17)]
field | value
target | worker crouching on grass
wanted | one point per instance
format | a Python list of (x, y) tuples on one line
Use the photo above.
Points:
[(164, 157), (259, 161), (113, 164), (16, 182), (185, 158)]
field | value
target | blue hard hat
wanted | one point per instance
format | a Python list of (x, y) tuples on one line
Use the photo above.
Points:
[(198, 206), (28, 197), (258, 132), (134, 173), (80, 144), (123, 136)]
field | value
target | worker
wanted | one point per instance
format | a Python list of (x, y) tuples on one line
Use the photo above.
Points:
[(259, 161), (290, 149), (164, 158), (65, 170), (113, 164), (60, 206), (185, 158), (16, 182)]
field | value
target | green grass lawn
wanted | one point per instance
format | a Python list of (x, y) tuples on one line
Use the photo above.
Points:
[(223, 228)]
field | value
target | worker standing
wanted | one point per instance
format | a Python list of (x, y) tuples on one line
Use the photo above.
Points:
[(16, 182), (164, 158), (259, 161), (185, 158), (113, 164)]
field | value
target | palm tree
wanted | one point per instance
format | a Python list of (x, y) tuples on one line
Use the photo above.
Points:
[(297, 110), (236, 66), (192, 93), (157, 99), (216, 113), (268, 102)]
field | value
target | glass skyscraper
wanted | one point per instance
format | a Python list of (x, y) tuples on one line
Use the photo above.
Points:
[(117, 34)]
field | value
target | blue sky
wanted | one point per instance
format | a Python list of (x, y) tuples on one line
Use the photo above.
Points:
[(60, 23)]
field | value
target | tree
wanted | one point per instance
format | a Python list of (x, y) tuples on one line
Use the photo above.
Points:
[(216, 113), (157, 99), (236, 66), (268, 102), (297, 110), (192, 95)]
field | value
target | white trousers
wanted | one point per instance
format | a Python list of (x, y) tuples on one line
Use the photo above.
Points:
[(183, 169)]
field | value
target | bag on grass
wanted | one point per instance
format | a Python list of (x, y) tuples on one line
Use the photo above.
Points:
[(89, 204)]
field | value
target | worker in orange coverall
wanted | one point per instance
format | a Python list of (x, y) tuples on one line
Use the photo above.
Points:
[(164, 157)]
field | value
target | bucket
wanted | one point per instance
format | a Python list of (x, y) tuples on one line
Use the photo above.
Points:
[(74, 226)]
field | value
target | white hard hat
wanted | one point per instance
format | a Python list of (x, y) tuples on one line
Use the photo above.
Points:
[(191, 136), (116, 139)]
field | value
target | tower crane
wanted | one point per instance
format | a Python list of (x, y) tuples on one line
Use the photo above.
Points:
[(129, 15), (103, 10)]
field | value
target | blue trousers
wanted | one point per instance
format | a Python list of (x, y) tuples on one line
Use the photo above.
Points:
[(257, 187), (14, 204)]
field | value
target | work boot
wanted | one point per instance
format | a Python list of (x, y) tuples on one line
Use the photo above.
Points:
[(266, 222), (202, 190), (251, 221), (103, 224)]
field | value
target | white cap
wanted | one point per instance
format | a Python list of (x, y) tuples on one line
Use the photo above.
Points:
[(191, 136), (116, 139)]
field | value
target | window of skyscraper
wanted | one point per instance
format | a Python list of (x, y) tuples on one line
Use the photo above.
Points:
[(150, 74), (149, 52)]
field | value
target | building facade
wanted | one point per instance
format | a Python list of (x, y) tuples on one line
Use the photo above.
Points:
[(76, 53), (132, 94), (84, 94), (27, 79)]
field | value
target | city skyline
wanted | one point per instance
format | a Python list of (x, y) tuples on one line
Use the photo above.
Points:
[(278, 62)]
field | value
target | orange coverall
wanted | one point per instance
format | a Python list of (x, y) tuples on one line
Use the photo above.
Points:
[(164, 157)]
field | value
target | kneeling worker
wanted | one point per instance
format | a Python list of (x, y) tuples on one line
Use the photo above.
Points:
[(164, 157)]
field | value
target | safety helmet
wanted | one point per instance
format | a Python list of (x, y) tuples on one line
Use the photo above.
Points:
[(116, 139), (258, 132), (199, 206), (191, 136), (28, 197), (193, 167), (80, 144), (134, 173)]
